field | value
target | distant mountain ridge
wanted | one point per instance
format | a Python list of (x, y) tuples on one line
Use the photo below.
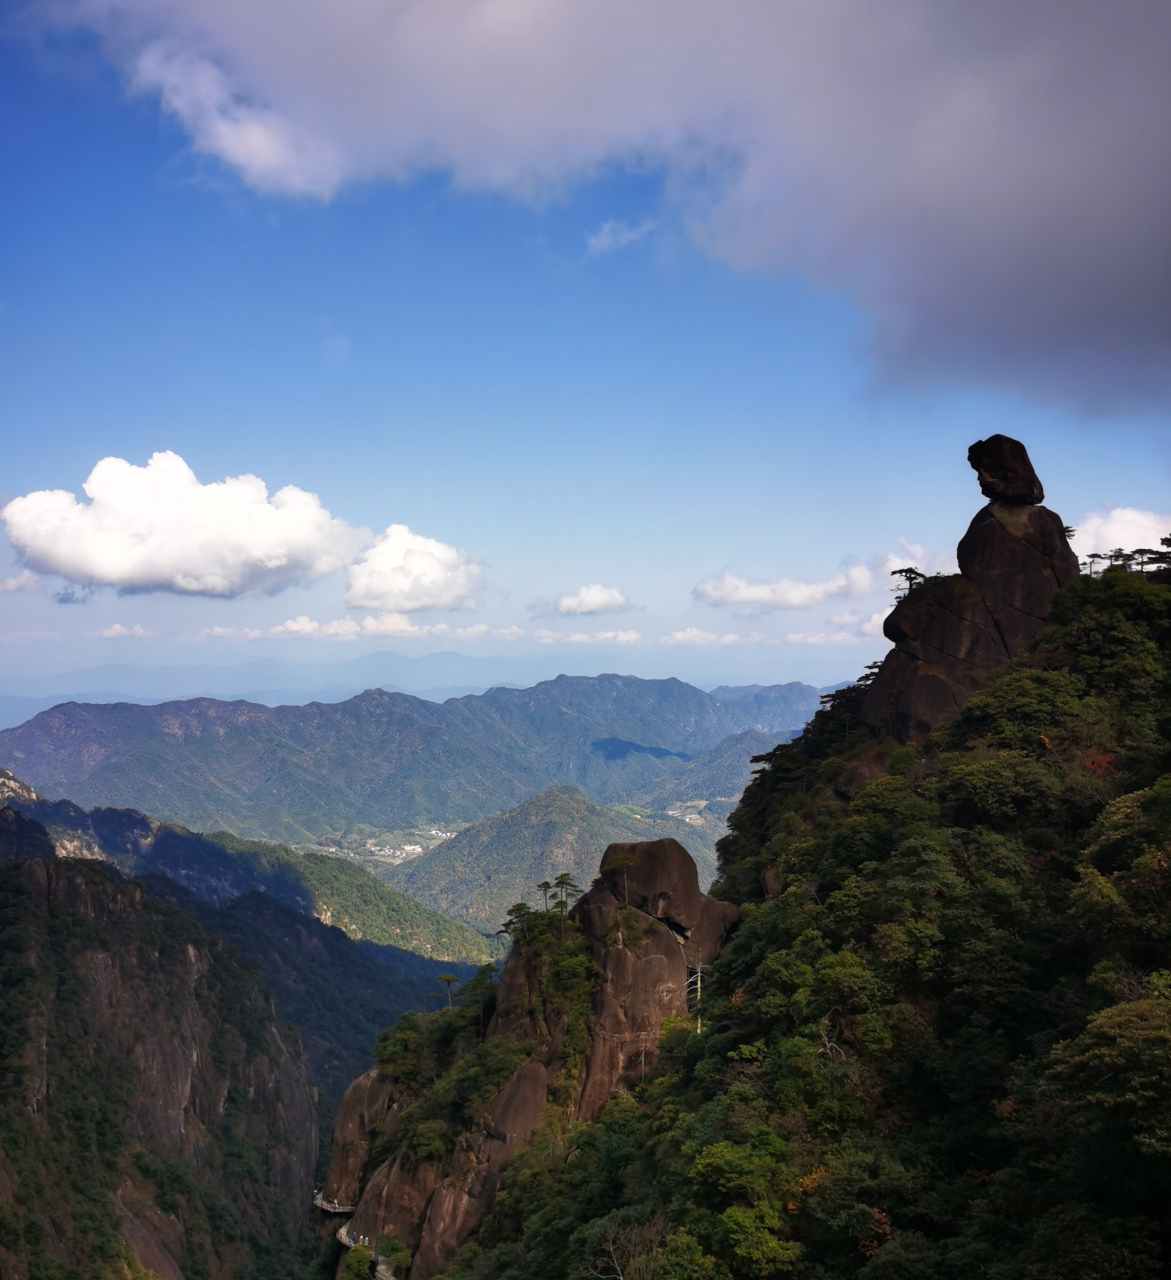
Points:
[(388, 760)]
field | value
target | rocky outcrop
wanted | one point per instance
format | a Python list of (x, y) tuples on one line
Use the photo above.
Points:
[(647, 928), (160, 1099), (949, 632)]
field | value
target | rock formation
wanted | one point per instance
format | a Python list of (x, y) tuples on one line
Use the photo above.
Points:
[(647, 928), (949, 632)]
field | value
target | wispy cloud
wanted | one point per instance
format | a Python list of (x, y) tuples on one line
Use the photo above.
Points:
[(615, 234), (708, 639), (19, 582)]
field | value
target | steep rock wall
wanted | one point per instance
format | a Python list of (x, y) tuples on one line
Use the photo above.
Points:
[(150, 1108)]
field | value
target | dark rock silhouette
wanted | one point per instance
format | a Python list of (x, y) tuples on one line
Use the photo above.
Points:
[(950, 632), (647, 925)]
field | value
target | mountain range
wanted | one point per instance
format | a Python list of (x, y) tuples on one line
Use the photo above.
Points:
[(390, 761)]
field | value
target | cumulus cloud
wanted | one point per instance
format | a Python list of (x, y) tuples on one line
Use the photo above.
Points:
[(156, 528), (405, 571), (1125, 527), (593, 599), (920, 155), (728, 589), (18, 582)]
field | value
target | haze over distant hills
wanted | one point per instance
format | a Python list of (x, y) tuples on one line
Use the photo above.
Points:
[(434, 677), (385, 760)]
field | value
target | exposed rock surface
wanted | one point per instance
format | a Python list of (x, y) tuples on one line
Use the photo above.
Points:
[(950, 632), (645, 924), (363, 1107), (132, 1020)]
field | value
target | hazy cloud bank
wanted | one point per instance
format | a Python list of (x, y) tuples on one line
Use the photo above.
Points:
[(990, 181)]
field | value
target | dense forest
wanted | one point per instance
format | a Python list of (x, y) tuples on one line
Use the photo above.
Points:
[(939, 1042)]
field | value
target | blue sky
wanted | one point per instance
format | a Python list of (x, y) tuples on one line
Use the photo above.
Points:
[(549, 356)]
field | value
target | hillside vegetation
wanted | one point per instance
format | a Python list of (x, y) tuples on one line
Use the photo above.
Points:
[(487, 868), (381, 761), (939, 1043)]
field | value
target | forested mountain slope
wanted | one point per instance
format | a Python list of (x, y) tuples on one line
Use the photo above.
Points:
[(486, 868), (939, 1041), (217, 867), (386, 760)]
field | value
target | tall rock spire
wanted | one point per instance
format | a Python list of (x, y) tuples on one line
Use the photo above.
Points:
[(950, 632)]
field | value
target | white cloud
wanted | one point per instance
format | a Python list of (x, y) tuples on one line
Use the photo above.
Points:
[(1125, 527), (405, 571), (118, 632), (615, 234), (872, 145), (18, 582), (593, 599), (728, 589), (618, 637), (156, 528), (303, 625)]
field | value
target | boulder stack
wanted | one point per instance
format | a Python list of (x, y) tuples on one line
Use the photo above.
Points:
[(949, 632)]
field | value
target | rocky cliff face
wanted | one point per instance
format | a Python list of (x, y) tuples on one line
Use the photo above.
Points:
[(152, 1112), (578, 1012), (949, 632)]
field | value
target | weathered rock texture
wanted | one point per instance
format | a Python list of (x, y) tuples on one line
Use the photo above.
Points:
[(950, 632), (155, 1106), (645, 924)]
